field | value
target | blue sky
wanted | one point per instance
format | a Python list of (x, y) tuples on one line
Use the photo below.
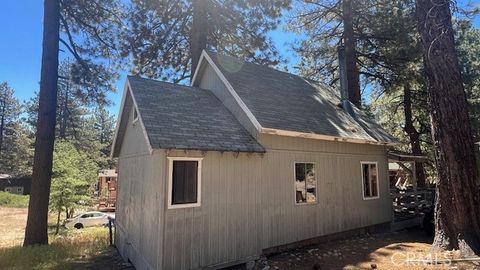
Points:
[(21, 40)]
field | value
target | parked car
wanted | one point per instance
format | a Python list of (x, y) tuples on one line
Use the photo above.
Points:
[(87, 219)]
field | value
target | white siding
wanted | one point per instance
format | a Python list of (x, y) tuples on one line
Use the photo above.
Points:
[(248, 202), (139, 210)]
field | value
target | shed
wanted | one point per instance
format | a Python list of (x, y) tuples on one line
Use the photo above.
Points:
[(245, 161)]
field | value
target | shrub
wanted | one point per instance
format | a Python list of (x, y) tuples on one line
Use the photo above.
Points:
[(13, 200)]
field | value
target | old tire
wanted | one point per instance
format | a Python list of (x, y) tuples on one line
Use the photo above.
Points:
[(78, 226)]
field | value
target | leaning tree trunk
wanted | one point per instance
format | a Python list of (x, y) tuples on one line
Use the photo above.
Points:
[(413, 135), (199, 32), (350, 54), (36, 231), (457, 216)]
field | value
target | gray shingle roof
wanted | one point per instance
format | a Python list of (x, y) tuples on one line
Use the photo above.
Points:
[(182, 117), (280, 100)]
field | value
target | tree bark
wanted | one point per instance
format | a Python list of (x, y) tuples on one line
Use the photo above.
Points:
[(457, 201), (36, 230), (413, 135), (199, 32), (350, 54)]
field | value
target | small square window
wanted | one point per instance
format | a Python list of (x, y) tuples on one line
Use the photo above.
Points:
[(184, 182), (370, 180), (305, 183)]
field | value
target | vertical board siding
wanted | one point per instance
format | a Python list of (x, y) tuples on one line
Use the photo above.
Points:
[(139, 236), (248, 202)]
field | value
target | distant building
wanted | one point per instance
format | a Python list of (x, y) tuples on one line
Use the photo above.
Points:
[(16, 185), (106, 190)]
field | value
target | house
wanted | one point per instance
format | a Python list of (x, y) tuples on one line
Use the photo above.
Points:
[(106, 190), (16, 185), (245, 161)]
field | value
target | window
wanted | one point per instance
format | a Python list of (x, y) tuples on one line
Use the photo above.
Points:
[(370, 180), (305, 183), (184, 182), (8, 189), (135, 115)]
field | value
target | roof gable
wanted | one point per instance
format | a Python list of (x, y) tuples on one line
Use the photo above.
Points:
[(288, 104), (183, 117)]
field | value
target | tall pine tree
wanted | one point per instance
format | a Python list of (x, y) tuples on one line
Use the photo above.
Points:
[(165, 38)]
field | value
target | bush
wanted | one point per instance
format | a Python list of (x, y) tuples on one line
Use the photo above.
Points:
[(64, 250), (13, 200)]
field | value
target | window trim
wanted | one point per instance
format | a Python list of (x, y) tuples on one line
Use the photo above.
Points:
[(294, 182), (170, 182), (363, 186)]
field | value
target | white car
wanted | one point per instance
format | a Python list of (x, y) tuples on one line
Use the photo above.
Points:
[(87, 219)]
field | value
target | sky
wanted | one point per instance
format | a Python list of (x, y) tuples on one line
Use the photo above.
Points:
[(21, 45)]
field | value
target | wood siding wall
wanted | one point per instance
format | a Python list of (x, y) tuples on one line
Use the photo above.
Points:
[(139, 216), (248, 201)]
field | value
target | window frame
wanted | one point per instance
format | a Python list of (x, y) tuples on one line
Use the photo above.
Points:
[(134, 115), (363, 185), (170, 182), (295, 180)]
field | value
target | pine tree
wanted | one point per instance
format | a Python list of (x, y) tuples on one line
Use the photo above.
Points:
[(86, 29), (9, 114), (73, 175), (165, 38), (457, 207)]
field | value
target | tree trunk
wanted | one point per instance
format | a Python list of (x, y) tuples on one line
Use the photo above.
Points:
[(457, 204), (58, 220), (199, 32), (413, 135), (350, 54), (36, 230)]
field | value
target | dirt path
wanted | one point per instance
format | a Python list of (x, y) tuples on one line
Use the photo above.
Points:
[(12, 226)]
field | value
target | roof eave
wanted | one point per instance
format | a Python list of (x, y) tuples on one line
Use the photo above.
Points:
[(315, 136)]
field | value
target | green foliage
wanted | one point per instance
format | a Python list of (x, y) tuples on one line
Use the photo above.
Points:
[(73, 174), (63, 252), (159, 33), (16, 142), (8, 199), (89, 128)]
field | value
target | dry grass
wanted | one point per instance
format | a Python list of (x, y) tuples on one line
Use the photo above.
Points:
[(71, 249), (12, 226), (64, 251)]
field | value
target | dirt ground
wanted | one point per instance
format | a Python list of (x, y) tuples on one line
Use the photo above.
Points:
[(409, 249)]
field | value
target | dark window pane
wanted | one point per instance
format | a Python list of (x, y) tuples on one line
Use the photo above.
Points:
[(184, 182), (366, 182)]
